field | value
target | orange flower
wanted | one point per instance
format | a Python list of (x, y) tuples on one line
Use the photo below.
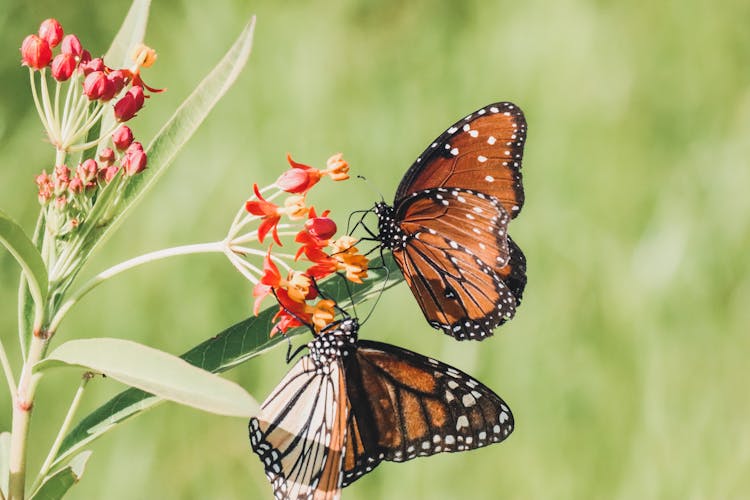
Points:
[(299, 179), (322, 313), (270, 280), (337, 168)]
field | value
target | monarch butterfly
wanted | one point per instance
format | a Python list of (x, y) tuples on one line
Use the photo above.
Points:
[(447, 228), (349, 404)]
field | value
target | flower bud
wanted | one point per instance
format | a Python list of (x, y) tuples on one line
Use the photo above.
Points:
[(122, 137), (51, 31), (107, 174), (90, 65), (76, 185), (294, 180), (71, 45), (134, 160), (107, 157), (61, 179), (35, 52), (63, 66), (321, 228), (118, 78), (87, 170), (45, 187), (129, 104), (97, 86)]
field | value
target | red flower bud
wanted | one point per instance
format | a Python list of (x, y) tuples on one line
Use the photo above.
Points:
[(134, 159), (107, 157), (321, 228), (122, 137), (128, 105), (61, 179), (90, 65), (97, 86), (71, 45), (63, 66), (45, 187), (87, 170), (35, 52), (137, 92), (294, 180), (118, 78), (51, 32)]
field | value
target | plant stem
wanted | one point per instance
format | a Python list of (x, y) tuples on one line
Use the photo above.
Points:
[(23, 402), (213, 247), (7, 369), (63, 431)]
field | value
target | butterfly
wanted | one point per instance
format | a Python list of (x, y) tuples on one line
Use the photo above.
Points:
[(447, 228), (349, 404)]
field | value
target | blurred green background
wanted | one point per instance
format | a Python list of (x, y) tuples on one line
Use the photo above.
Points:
[(626, 367)]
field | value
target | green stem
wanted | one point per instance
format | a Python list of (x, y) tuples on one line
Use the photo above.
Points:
[(213, 247), (63, 431), (7, 369), (22, 406)]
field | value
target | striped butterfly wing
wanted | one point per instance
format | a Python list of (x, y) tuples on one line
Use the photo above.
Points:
[(405, 405), (481, 152), (453, 248), (300, 430)]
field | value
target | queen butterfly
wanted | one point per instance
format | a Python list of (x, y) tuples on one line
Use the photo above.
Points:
[(349, 404), (447, 228)]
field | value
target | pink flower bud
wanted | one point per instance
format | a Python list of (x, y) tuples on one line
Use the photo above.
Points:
[(76, 185), (63, 66), (35, 52), (45, 187), (51, 32), (122, 137), (107, 174), (137, 92), (321, 228), (91, 65), (71, 45), (87, 170), (107, 157), (134, 159), (97, 86), (61, 179)]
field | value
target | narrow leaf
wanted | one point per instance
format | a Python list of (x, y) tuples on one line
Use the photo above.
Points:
[(155, 371), (21, 247), (57, 484), (235, 345), (4, 462)]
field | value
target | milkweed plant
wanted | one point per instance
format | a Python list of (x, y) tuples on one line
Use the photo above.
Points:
[(100, 170)]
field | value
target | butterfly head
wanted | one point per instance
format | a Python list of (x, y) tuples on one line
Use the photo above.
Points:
[(336, 340)]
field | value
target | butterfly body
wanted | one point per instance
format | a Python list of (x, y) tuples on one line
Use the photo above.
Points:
[(447, 227), (350, 404)]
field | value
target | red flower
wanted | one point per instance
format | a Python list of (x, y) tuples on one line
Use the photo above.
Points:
[(315, 235), (129, 104), (270, 213), (97, 86), (87, 170), (91, 65), (63, 66), (271, 279), (35, 52), (51, 32), (107, 156), (118, 78)]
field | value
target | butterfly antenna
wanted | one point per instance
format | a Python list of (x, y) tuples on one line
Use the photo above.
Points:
[(382, 289), (335, 303), (362, 177)]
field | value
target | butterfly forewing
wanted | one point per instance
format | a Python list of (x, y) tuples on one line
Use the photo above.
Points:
[(481, 152)]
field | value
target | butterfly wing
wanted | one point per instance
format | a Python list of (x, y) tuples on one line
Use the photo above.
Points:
[(455, 257), (405, 405), (300, 430), (481, 152)]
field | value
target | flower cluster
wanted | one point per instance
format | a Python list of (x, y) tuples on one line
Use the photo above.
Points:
[(92, 86), (295, 290), (86, 89)]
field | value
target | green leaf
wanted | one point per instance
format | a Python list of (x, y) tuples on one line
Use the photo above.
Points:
[(21, 247), (4, 462), (57, 484), (175, 133), (235, 345), (155, 371)]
